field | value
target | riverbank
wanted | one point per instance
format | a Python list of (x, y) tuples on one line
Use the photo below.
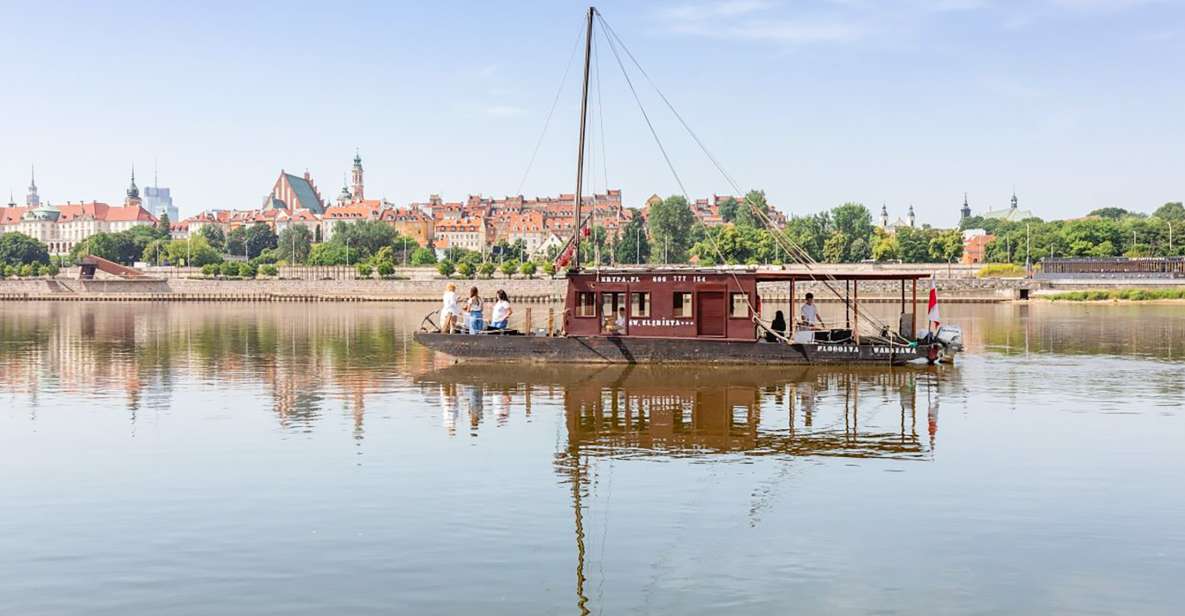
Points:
[(1175, 295), (422, 285), (956, 290)]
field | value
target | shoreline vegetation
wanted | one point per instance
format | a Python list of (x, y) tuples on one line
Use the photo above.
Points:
[(1118, 295)]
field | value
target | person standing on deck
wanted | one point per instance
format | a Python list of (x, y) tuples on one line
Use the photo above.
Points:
[(449, 308), (473, 307), (810, 313), (502, 311)]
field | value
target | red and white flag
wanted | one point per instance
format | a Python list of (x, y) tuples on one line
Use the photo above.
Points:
[(932, 308)]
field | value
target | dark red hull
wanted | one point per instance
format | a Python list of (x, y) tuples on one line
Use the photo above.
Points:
[(635, 350)]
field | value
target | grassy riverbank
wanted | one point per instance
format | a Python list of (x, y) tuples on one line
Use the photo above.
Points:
[(1131, 295)]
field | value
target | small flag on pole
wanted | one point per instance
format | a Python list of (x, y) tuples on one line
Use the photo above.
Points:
[(932, 308)]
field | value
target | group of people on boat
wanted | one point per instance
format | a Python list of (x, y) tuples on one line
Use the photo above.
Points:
[(808, 319), (472, 310)]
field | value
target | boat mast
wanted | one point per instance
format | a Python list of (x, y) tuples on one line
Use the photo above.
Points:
[(592, 11)]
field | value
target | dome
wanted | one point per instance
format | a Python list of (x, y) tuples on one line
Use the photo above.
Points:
[(44, 212)]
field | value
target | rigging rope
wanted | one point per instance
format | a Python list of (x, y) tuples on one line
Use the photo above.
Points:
[(793, 249)]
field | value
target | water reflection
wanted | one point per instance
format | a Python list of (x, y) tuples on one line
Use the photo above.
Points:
[(638, 411), (632, 412)]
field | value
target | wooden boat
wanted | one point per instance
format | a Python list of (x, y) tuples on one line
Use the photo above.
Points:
[(710, 316), (689, 315)]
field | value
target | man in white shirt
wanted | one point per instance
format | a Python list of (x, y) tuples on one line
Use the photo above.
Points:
[(810, 313)]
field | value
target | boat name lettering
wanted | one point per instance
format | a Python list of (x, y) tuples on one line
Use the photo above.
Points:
[(620, 279), (659, 322), (848, 348)]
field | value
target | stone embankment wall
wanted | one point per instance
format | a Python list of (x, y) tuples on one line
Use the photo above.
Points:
[(539, 289)]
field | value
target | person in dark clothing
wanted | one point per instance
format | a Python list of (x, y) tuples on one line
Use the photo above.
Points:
[(778, 325)]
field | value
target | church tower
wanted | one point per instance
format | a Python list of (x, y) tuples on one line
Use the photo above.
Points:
[(344, 197), (912, 218), (884, 216), (133, 197), (966, 211), (357, 192), (1013, 203), (32, 199)]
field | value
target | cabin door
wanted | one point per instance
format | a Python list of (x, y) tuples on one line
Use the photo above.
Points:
[(709, 313), (613, 300)]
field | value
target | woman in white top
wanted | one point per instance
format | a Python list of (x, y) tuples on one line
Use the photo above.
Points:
[(502, 311), (449, 308)]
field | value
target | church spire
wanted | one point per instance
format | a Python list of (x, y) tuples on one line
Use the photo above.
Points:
[(32, 199), (966, 211), (133, 197), (1014, 201), (357, 193)]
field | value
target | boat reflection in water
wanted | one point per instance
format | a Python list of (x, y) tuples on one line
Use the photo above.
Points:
[(631, 412)]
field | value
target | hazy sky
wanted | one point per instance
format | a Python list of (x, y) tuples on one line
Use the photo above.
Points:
[(1078, 103)]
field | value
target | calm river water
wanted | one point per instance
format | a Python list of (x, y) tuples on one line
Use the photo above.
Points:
[(312, 459)]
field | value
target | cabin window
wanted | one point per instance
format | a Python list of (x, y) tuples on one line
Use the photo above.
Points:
[(739, 308), (640, 304), (611, 303), (681, 305), (586, 304)]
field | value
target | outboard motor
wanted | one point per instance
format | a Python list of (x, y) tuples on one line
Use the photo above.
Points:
[(951, 339)]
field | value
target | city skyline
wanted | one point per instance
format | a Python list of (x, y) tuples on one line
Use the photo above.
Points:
[(1065, 100)]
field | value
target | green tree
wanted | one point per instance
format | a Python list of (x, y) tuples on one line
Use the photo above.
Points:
[(728, 209), (156, 253), (946, 246), (17, 249), (1114, 213), (1173, 211), (214, 236), (364, 270), (327, 253), (885, 247), (835, 248), (229, 268), (294, 244), (914, 244), (486, 270), (670, 228), (423, 256), (247, 270), (235, 241), (527, 269), (465, 269), (446, 268), (259, 237), (633, 245), (852, 221), (365, 237), (508, 268), (746, 216), (386, 269), (549, 269), (162, 225)]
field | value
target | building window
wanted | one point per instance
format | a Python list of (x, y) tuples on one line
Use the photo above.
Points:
[(611, 302), (640, 305), (586, 305), (739, 308), (681, 305)]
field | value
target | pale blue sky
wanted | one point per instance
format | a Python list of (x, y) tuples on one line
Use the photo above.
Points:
[(1078, 103)]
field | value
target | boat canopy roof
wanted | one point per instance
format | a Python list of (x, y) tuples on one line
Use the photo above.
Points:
[(752, 273)]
